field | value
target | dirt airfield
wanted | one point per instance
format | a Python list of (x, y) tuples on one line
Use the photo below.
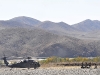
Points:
[(50, 71)]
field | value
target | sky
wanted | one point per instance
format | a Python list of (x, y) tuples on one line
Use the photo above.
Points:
[(68, 11)]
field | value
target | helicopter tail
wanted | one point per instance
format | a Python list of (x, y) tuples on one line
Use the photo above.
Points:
[(5, 60)]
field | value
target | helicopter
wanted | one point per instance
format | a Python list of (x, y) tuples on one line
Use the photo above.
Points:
[(27, 63)]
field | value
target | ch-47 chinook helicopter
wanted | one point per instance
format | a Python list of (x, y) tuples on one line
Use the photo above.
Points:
[(28, 63)]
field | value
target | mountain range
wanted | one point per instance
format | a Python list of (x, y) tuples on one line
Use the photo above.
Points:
[(22, 21), (25, 36)]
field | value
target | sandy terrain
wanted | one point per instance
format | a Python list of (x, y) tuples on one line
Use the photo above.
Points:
[(50, 71)]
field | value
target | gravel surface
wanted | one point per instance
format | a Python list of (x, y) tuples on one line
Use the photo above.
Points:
[(49, 71)]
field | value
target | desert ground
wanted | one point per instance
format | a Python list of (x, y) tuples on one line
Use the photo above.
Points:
[(50, 71)]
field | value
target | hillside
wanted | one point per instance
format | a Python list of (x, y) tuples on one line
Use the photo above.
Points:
[(88, 25), (26, 20), (59, 28), (22, 41), (25, 36), (11, 23), (22, 21), (37, 42)]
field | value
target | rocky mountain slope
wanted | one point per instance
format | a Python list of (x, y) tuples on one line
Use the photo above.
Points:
[(88, 25), (37, 42), (24, 36), (26, 20)]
